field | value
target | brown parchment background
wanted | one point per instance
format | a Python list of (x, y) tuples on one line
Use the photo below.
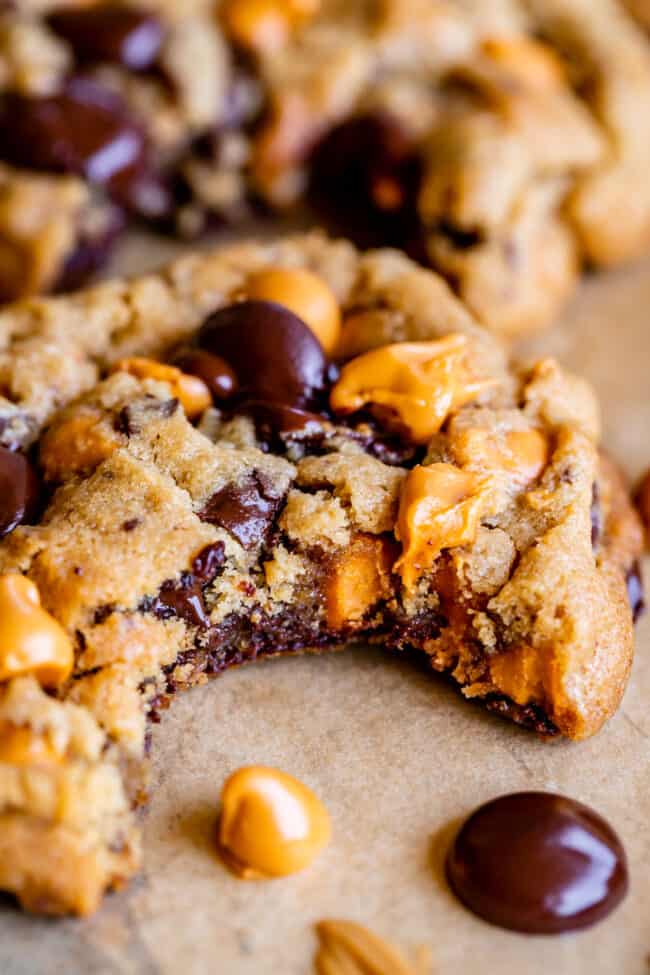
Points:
[(397, 757)]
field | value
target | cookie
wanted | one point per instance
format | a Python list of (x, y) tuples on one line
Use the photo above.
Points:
[(412, 488), (493, 144)]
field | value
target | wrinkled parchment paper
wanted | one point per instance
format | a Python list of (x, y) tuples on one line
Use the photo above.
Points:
[(398, 758)]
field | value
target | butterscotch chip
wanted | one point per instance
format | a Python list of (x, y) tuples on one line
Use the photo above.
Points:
[(75, 446), (357, 580), (31, 640), (412, 385), (347, 948), (270, 824), (440, 507), (191, 391)]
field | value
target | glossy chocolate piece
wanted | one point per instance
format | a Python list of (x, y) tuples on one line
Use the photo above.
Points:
[(538, 863), (246, 510), (19, 491), (212, 369), (86, 130), (276, 357), (113, 33)]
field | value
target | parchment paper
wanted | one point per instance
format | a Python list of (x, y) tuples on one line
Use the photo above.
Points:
[(397, 757)]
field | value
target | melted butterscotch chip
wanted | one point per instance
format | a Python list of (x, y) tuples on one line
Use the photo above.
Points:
[(440, 507), (347, 948), (522, 454), (411, 386), (31, 641), (357, 580), (271, 824)]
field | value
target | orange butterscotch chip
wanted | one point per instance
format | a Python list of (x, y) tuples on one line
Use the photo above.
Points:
[(440, 507), (358, 578), (20, 745), (31, 640), (264, 26), (192, 393), (271, 824), (77, 445), (304, 293), (534, 63), (413, 386), (522, 453)]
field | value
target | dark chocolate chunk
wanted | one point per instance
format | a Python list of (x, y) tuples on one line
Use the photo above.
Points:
[(212, 369), (275, 418), (208, 562), (19, 490), (183, 599), (276, 356), (87, 130), (112, 33), (539, 863), (246, 511), (635, 591)]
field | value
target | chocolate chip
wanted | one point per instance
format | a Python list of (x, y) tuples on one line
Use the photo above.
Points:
[(272, 419), (111, 33), (208, 562), (365, 177), (539, 863), (183, 599), (635, 591), (246, 510), (130, 525), (276, 356), (19, 491), (213, 370), (87, 130)]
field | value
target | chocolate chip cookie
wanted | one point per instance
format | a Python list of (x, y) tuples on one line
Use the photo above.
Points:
[(271, 449), (504, 146)]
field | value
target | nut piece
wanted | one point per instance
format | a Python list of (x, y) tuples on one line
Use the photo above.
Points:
[(306, 294), (192, 393), (264, 26), (413, 386), (359, 578), (346, 948), (642, 500), (22, 746), (31, 641), (440, 507), (76, 445), (271, 824)]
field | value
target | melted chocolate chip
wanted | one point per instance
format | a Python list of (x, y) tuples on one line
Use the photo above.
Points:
[(276, 356), (274, 419), (92, 250), (111, 33), (212, 369), (635, 591), (19, 491), (538, 863), (208, 562), (87, 130), (246, 511), (183, 599)]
